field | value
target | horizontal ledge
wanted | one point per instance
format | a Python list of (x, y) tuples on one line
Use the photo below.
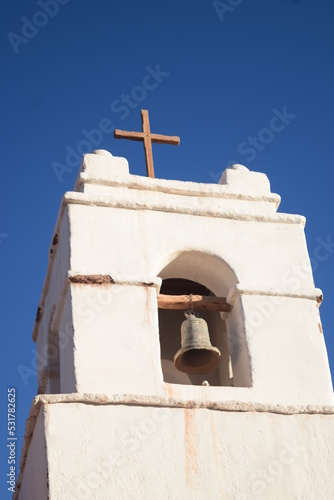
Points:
[(177, 187), (310, 294), (115, 279), (91, 279), (198, 302), (141, 400), (106, 201)]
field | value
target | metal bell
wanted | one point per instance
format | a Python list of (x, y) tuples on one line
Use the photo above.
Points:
[(196, 355)]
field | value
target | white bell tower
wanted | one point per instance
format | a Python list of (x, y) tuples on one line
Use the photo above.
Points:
[(114, 418)]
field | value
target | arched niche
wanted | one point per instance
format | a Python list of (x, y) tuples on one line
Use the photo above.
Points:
[(202, 274), (209, 270)]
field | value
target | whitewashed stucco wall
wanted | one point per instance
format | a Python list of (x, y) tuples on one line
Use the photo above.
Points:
[(133, 452), (36, 472), (232, 242), (117, 236)]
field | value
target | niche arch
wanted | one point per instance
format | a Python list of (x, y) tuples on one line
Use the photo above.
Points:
[(201, 273)]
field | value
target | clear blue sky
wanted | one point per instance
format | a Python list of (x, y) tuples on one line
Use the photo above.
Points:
[(222, 75)]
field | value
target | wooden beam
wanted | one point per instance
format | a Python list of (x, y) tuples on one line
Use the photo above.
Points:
[(200, 303), (164, 139), (124, 134), (139, 136), (147, 143)]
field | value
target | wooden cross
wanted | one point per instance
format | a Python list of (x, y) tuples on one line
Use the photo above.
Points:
[(147, 138)]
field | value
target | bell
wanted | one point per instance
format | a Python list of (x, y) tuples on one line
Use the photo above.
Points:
[(196, 355)]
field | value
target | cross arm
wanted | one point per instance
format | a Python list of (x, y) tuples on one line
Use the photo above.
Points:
[(165, 139), (124, 134)]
